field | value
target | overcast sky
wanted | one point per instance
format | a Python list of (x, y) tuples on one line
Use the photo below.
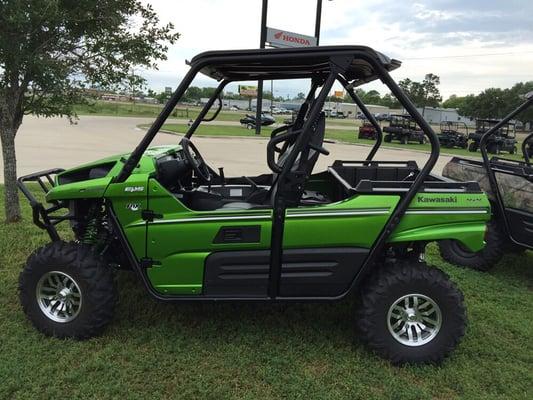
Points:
[(470, 44)]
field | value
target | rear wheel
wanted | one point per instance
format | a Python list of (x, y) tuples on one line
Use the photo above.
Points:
[(472, 147), (410, 313), (455, 253), (404, 140), (493, 148), (388, 139), (67, 290), (249, 126)]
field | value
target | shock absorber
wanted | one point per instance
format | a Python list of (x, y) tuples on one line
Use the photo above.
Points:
[(94, 220)]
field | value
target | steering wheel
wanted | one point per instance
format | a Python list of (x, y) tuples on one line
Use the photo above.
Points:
[(195, 160)]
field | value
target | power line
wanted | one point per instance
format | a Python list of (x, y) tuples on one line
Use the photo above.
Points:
[(471, 55)]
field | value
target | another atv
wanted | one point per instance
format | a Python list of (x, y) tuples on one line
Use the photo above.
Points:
[(453, 134), (367, 131), (503, 139), (191, 234), (509, 185), (403, 128)]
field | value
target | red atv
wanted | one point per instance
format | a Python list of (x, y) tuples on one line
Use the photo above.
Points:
[(367, 131)]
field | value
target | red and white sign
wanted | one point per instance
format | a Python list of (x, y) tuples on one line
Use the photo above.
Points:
[(281, 38)]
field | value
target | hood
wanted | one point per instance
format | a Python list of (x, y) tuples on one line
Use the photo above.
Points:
[(111, 166)]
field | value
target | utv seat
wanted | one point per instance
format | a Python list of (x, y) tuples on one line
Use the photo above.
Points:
[(304, 165)]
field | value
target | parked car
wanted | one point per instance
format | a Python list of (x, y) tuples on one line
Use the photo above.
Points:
[(280, 110), (249, 120), (382, 117)]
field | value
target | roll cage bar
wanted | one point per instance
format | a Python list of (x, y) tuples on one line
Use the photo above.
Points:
[(351, 66), (486, 161), (449, 125), (525, 151)]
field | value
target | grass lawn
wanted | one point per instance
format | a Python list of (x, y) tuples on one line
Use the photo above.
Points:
[(120, 109), (223, 351), (341, 135)]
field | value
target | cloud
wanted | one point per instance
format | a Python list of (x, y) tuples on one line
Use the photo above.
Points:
[(496, 38)]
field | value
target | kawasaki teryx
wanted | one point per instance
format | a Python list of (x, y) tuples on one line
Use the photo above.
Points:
[(453, 134), (509, 186), (192, 234), (502, 139), (403, 128)]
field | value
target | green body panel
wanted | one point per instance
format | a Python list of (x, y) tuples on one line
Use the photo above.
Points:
[(89, 189), (370, 213), (128, 200), (180, 240), (436, 216), (182, 237)]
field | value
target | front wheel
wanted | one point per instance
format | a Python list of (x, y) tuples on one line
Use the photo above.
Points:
[(411, 313), (67, 290)]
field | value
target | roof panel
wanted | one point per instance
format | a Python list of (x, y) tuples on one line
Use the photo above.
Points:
[(293, 63)]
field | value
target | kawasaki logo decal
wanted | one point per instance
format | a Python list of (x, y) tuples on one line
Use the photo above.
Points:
[(447, 199)]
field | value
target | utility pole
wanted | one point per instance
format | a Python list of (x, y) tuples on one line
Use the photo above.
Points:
[(318, 20), (262, 43)]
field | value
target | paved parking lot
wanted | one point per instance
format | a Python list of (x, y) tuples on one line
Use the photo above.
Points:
[(52, 142)]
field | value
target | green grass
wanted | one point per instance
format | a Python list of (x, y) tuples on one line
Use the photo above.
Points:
[(341, 135), (120, 109), (239, 351)]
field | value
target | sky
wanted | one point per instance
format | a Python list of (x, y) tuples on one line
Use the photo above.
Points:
[(470, 44)]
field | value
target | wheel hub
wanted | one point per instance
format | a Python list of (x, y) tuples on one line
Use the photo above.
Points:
[(59, 296), (414, 319)]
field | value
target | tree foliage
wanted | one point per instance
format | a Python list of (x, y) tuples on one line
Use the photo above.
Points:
[(50, 50), (425, 93), (493, 102)]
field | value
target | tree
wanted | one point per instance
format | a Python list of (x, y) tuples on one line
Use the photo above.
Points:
[(50, 50), (454, 101), (496, 102), (193, 93), (432, 97), (425, 93), (390, 101)]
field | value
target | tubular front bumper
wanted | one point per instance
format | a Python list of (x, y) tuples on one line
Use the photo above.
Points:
[(42, 216)]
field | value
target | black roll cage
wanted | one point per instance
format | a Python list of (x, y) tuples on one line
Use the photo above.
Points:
[(337, 68), (525, 143), (449, 125), (487, 164)]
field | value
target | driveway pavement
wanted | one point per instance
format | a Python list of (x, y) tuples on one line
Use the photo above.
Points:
[(52, 142)]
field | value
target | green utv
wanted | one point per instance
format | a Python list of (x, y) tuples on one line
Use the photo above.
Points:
[(192, 234)]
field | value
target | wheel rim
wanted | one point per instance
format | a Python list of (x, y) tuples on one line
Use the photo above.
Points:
[(414, 320), (59, 296)]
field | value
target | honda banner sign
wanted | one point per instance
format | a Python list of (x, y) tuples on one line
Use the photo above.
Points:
[(281, 38)]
